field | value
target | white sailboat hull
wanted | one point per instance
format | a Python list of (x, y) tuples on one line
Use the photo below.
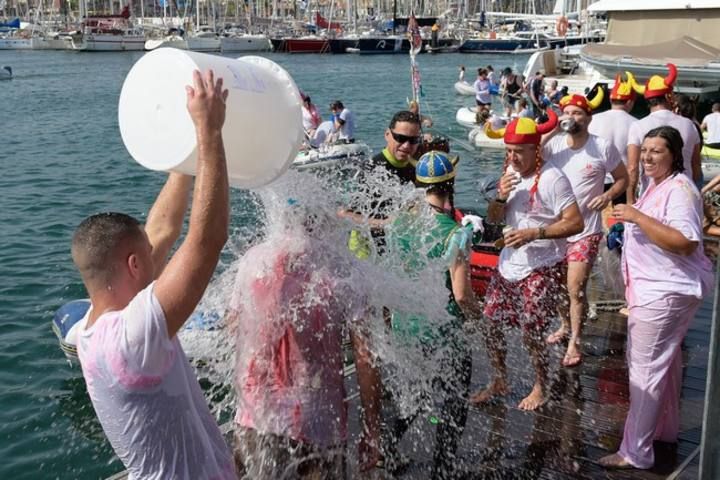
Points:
[(109, 43), (245, 43), (15, 43), (171, 42), (199, 44)]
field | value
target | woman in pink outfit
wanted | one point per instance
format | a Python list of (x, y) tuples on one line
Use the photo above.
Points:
[(666, 276)]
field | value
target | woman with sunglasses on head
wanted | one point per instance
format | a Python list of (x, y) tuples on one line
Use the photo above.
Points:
[(666, 276)]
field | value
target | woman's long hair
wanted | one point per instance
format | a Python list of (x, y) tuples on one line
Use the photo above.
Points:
[(674, 143)]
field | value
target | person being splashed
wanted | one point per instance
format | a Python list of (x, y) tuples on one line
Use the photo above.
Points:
[(421, 244), (294, 296)]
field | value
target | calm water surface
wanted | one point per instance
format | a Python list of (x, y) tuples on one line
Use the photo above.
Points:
[(61, 159)]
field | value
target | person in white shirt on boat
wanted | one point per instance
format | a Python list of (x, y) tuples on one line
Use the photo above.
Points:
[(585, 160), (614, 124), (711, 125), (310, 115), (344, 122), (461, 75), (491, 75), (658, 93), (523, 111), (142, 387)]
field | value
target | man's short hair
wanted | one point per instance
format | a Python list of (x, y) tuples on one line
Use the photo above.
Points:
[(404, 116), (96, 241), (716, 107), (657, 101), (337, 105), (616, 101)]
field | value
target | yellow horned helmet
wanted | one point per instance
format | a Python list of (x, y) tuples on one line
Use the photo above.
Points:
[(656, 86)]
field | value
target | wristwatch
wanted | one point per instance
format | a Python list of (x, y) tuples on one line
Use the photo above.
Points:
[(541, 233)]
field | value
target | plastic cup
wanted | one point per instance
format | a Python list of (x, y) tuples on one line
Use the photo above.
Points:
[(263, 119)]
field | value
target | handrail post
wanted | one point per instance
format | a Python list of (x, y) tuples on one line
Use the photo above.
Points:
[(710, 440)]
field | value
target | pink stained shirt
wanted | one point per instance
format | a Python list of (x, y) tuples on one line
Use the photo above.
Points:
[(147, 397), (651, 273), (292, 307)]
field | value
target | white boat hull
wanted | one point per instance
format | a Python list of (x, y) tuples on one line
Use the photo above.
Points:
[(198, 44), (245, 43), (464, 88), (109, 43), (478, 139), (171, 42), (467, 117), (15, 43), (330, 154)]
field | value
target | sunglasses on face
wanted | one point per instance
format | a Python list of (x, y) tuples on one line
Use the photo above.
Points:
[(400, 138)]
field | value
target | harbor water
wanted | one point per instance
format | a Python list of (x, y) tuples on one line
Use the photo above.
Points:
[(61, 159)]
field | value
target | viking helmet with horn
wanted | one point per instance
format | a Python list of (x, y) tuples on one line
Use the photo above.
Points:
[(623, 91), (523, 130), (656, 86), (583, 102)]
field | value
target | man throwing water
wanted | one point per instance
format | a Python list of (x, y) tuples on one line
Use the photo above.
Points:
[(142, 387)]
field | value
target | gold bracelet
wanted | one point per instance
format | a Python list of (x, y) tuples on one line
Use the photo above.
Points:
[(541, 233)]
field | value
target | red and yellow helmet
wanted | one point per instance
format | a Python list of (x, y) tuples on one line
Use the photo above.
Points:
[(523, 130), (623, 91), (656, 86), (577, 100)]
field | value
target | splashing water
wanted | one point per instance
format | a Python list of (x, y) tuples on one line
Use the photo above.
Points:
[(293, 294)]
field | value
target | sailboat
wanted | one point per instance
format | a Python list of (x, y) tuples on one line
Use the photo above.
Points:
[(107, 33)]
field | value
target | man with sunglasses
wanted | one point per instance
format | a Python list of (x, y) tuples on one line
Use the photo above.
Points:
[(395, 163)]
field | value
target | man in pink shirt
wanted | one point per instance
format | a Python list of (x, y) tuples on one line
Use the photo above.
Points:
[(585, 160), (294, 300), (658, 93), (142, 386)]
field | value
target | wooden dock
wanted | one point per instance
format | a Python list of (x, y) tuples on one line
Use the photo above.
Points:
[(583, 421)]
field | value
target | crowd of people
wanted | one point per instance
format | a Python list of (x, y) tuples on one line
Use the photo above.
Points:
[(292, 302)]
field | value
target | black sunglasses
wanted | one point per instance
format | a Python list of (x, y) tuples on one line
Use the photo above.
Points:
[(400, 138)]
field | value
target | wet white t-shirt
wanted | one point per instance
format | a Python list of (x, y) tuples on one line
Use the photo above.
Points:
[(554, 194), (614, 126), (147, 397), (586, 169)]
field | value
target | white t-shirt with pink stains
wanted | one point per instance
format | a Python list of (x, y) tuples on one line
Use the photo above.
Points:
[(147, 397), (586, 169), (651, 272), (554, 194)]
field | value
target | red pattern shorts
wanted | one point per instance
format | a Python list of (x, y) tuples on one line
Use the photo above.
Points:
[(529, 303), (584, 250)]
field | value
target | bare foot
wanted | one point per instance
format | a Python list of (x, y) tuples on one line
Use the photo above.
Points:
[(558, 336), (498, 388), (573, 357), (533, 401), (614, 461)]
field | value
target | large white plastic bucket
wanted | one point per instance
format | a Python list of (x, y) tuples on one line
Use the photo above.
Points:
[(263, 121)]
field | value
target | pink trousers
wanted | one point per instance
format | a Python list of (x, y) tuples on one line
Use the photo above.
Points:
[(655, 335)]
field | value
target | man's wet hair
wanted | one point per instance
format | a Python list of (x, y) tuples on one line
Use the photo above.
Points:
[(96, 241), (404, 116)]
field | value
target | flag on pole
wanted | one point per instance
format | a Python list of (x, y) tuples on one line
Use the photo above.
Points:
[(415, 38)]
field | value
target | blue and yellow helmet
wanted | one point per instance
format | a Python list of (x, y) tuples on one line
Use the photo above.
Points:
[(435, 167)]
